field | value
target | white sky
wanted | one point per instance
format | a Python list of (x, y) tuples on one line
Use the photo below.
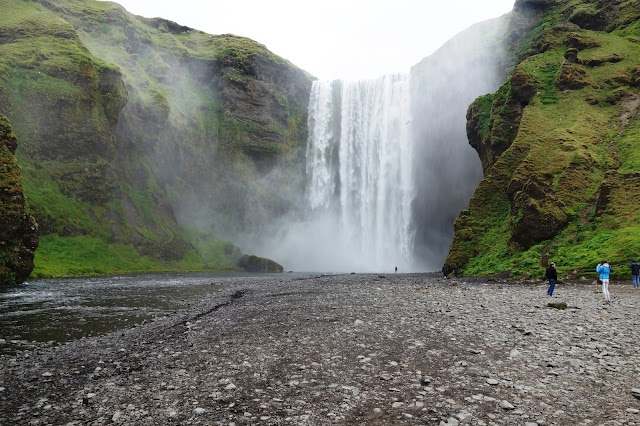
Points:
[(333, 38)]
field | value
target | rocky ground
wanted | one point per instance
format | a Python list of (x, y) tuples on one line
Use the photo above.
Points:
[(349, 349)]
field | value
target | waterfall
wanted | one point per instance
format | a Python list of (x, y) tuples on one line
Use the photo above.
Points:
[(359, 165)]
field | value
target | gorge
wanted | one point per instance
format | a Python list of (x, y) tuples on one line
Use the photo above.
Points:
[(149, 146), (388, 163)]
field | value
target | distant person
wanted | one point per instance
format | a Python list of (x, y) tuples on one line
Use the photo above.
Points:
[(445, 270), (604, 270), (635, 273), (396, 269), (552, 276)]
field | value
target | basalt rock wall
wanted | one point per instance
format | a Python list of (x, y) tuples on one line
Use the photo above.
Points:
[(558, 144), (19, 231)]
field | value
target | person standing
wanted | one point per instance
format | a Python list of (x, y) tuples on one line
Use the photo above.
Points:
[(635, 273), (604, 270), (552, 276)]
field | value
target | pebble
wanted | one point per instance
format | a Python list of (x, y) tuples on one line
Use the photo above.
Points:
[(506, 405), (427, 353)]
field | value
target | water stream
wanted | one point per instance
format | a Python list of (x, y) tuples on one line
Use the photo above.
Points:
[(48, 312)]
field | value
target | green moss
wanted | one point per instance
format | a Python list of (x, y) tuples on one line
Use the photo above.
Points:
[(628, 149), (55, 211), (100, 161), (583, 12), (482, 110), (210, 249), (85, 255), (573, 159)]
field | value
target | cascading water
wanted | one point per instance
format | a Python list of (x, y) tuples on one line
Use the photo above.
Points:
[(360, 170), (388, 163)]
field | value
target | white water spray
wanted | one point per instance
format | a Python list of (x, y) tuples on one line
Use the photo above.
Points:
[(360, 171)]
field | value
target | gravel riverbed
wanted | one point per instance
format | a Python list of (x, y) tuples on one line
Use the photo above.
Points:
[(349, 349)]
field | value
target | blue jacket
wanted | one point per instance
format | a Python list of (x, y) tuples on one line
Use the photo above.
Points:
[(604, 271)]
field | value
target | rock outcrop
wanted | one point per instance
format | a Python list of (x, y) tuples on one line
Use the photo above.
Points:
[(251, 263), (557, 143), (19, 231)]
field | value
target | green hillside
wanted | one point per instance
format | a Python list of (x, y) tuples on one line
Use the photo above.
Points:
[(560, 146), (143, 143)]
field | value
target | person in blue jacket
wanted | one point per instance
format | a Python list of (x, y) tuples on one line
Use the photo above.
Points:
[(552, 276), (635, 273), (604, 270)]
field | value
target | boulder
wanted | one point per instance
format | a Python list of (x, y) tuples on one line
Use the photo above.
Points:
[(251, 263), (558, 305)]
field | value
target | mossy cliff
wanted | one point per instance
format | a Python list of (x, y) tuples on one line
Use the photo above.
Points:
[(144, 144), (19, 232), (559, 144)]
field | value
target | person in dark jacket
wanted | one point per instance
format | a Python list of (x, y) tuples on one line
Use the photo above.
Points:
[(552, 276), (635, 273)]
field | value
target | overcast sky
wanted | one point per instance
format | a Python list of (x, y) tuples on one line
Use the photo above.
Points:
[(333, 38)]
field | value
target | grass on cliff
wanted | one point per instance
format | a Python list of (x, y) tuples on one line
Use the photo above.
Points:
[(52, 55), (85, 255), (568, 141)]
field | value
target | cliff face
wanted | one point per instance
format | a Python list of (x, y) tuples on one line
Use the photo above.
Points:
[(143, 136), (558, 144), (442, 87), (19, 232)]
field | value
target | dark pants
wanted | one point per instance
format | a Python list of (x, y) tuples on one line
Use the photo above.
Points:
[(552, 286)]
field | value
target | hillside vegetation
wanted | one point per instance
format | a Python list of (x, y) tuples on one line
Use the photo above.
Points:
[(144, 144), (559, 144)]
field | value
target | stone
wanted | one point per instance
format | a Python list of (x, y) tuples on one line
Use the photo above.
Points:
[(558, 305), (506, 405)]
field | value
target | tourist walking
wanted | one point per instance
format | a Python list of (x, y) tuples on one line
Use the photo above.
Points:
[(604, 270), (552, 276), (635, 273)]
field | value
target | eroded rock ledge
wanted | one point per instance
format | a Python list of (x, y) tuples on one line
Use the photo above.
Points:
[(18, 229)]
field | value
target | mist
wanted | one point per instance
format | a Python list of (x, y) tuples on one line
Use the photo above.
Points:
[(389, 169), (385, 170)]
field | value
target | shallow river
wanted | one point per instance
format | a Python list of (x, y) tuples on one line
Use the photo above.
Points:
[(48, 312)]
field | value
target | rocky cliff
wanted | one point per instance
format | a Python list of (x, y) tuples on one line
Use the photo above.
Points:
[(145, 144), (558, 144), (19, 232)]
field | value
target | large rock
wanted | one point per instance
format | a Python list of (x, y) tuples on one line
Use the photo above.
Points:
[(252, 263), (19, 232)]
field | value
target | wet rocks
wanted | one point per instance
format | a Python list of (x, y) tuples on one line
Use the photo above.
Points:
[(347, 349)]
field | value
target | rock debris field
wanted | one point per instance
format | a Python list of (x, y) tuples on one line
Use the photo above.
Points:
[(349, 349)]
